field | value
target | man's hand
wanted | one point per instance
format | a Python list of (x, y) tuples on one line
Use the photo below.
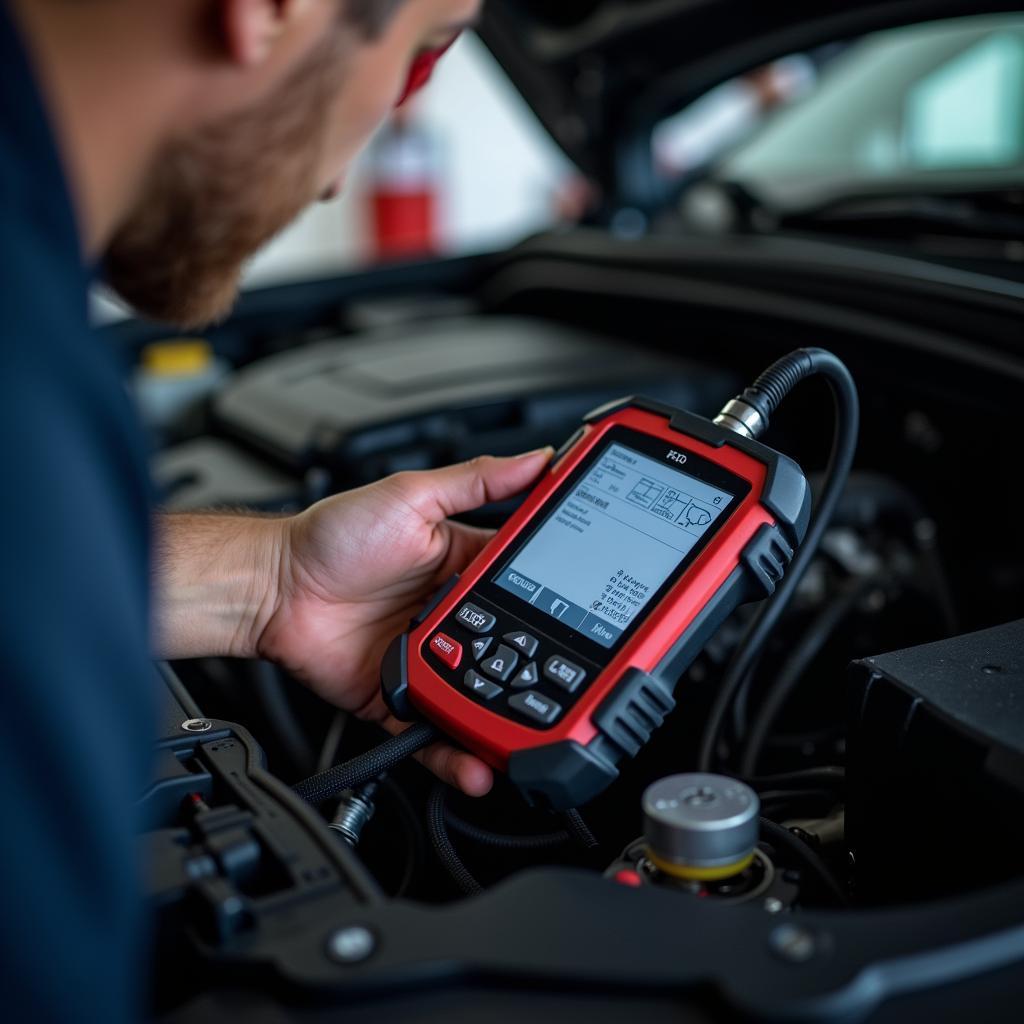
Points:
[(324, 592)]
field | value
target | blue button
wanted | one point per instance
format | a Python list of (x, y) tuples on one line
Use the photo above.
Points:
[(558, 608)]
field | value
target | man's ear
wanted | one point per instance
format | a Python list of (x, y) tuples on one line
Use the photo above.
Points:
[(252, 27)]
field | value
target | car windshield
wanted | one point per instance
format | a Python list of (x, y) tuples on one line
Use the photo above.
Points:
[(937, 105), (924, 123)]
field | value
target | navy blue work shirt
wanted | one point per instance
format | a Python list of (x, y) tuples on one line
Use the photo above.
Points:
[(74, 669)]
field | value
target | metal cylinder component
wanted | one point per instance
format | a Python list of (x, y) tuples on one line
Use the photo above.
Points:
[(700, 826), (352, 815), (738, 416)]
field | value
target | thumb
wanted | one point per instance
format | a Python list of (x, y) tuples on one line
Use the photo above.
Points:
[(441, 493)]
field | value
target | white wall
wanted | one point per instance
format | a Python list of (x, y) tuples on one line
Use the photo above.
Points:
[(501, 170)]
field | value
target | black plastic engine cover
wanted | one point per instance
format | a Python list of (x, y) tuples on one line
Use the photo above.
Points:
[(936, 766), (414, 396)]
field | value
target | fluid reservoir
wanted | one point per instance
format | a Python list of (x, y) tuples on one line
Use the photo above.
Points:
[(700, 827)]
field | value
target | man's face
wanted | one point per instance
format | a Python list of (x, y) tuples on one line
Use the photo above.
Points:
[(217, 195)]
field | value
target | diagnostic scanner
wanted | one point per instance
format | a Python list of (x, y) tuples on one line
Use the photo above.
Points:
[(557, 652)]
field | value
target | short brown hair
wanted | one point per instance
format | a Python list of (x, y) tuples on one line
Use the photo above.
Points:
[(370, 17)]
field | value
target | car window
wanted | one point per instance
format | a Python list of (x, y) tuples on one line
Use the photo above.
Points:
[(969, 111), (945, 95), (729, 114)]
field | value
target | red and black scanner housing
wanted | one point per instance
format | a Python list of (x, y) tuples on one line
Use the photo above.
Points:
[(628, 688)]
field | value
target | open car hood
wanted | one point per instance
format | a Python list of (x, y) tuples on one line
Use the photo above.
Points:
[(600, 73)]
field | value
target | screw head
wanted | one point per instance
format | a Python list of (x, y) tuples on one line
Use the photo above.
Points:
[(197, 725), (773, 905), (793, 942), (350, 945)]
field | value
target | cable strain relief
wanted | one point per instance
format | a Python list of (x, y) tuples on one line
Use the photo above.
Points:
[(775, 383), (760, 401)]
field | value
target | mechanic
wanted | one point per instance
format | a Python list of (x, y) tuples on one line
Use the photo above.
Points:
[(165, 142)]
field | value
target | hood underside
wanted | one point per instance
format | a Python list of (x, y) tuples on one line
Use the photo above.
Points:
[(599, 73)]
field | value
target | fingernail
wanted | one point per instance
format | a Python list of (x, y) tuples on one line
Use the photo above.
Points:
[(547, 450)]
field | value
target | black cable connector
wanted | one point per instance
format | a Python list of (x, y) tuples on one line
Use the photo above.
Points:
[(331, 783)]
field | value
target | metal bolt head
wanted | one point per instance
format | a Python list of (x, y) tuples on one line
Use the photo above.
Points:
[(351, 945), (197, 725), (773, 905), (793, 942)]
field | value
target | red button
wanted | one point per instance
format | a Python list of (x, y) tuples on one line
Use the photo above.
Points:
[(446, 649)]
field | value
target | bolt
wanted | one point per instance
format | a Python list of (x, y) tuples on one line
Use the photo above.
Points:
[(699, 796), (773, 905), (350, 945), (793, 943), (197, 725)]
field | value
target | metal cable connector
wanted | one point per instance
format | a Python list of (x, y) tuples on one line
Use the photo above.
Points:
[(354, 812), (742, 418)]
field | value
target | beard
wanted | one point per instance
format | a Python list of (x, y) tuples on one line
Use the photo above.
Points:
[(215, 198)]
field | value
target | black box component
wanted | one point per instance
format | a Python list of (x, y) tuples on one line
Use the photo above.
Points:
[(936, 766), (423, 395)]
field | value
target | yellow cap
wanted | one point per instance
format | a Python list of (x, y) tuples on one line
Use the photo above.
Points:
[(178, 357), (695, 874)]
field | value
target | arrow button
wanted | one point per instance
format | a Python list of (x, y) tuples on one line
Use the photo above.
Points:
[(502, 664), (475, 683), (522, 642), (526, 676)]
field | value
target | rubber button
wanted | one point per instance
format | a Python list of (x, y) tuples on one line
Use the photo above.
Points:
[(481, 687), (534, 705), (447, 649), (502, 664), (526, 676), (522, 642), (564, 673), (481, 646), (474, 618)]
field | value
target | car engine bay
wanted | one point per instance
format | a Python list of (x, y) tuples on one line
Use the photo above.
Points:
[(882, 729)]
